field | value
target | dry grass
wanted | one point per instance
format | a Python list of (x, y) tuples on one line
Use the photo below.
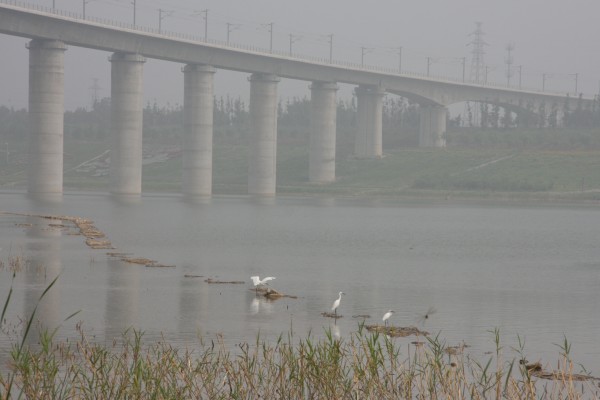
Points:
[(364, 366)]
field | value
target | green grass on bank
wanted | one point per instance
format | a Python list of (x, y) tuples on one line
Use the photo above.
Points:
[(471, 172)]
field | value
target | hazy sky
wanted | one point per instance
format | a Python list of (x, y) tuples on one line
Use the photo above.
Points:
[(552, 37)]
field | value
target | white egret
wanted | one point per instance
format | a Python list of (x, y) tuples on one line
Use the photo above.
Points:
[(387, 316), (336, 303), (258, 282)]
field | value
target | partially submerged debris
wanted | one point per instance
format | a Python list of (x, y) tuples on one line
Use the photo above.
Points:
[(158, 265), (273, 294), (98, 244), (560, 375), (142, 261), (193, 276), (397, 331), (535, 369), (214, 281), (96, 239), (456, 350), (331, 315), (118, 255), (86, 228), (363, 316)]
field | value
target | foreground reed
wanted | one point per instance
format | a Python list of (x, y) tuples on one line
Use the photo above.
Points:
[(364, 366)]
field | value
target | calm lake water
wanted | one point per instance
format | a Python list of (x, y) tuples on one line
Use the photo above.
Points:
[(527, 270)]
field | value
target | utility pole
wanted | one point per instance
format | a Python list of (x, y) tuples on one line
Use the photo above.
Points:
[(576, 75), (544, 82), (477, 52), (205, 18), (478, 71), (269, 27), (134, 10), (53, 5), (464, 64), (400, 59), (520, 75), (230, 28), (84, 3), (95, 88), (509, 61), (364, 50), (205, 12), (330, 48), (161, 17), (428, 64), (293, 39)]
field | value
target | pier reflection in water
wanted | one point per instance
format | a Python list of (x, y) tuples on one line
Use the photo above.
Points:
[(43, 264)]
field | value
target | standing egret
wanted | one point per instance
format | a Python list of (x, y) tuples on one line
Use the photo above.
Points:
[(386, 316), (336, 303), (258, 282)]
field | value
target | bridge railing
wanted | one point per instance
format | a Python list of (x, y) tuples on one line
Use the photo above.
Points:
[(262, 51)]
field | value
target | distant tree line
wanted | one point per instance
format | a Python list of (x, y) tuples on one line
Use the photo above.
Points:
[(528, 116), (231, 120), (400, 120)]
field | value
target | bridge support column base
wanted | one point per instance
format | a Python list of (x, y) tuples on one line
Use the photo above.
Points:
[(368, 141), (262, 156), (46, 116), (322, 132), (198, 130), (126, 109), (432, 130)]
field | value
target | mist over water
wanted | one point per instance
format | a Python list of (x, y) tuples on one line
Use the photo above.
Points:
[(531, 271)]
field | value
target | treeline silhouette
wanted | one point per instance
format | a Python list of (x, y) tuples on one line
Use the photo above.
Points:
[(400, 123)]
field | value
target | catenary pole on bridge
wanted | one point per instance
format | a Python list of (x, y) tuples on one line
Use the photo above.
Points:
[(134, 11), (400, 59), (293, 39)]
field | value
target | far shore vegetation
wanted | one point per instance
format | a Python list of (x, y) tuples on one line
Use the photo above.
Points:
[(554, 157)]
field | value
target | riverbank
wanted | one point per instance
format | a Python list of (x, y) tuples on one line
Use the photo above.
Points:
[(496, 174)]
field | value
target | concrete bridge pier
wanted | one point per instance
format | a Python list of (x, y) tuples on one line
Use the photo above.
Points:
[(322, 132), (432, 130), (126, 112), (262, 156), (46, 116), (368, 141), (198, 129)]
